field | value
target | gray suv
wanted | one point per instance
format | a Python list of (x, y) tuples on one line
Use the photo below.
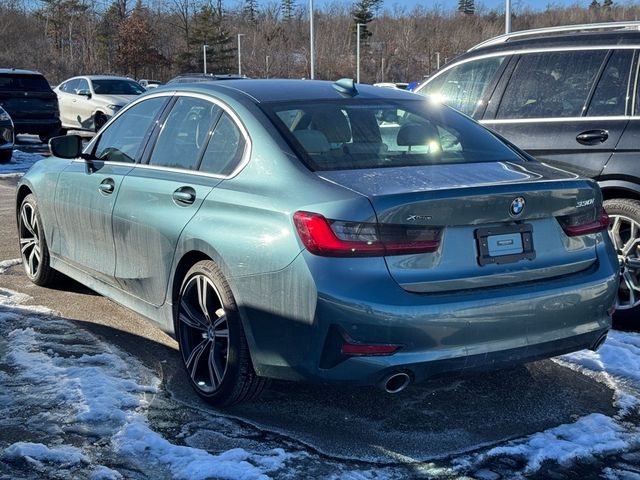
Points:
[(569, 97)]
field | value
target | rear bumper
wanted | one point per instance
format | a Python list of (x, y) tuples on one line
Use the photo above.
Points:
[(37, 126), (288, 326)]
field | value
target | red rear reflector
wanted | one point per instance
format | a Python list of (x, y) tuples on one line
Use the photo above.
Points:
[(584, 223), (360, 349), (335, 238)]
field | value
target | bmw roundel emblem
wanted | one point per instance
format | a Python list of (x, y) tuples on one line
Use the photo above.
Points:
[(517, 206)]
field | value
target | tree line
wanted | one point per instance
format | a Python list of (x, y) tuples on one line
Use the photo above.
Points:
[(161, 38)]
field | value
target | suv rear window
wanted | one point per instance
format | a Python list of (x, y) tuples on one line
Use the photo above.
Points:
[(23, 83), (350, 134)]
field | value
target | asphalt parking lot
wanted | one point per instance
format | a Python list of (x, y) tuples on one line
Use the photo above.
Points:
[(427, 431)]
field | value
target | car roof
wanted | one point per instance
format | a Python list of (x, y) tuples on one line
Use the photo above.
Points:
[(278, 90), (103, 77), (17, 71)]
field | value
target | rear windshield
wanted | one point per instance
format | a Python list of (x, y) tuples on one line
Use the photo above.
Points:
[(24, 83), (350, 134), (117, 87)]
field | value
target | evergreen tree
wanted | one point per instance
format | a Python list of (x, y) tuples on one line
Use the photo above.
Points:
[(469, 8), (362, 13), (594, 5), (288, 9), (209, 29), (250, 10), (607, 4)]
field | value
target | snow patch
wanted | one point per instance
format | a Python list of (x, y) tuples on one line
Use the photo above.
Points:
[(20, 163), (6, 264), (64, 455)]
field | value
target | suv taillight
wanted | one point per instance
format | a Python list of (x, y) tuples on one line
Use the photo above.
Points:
[(591, 221), (337, 238)]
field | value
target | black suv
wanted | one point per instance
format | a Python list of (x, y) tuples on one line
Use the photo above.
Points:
[(569, 96), (28, 98)]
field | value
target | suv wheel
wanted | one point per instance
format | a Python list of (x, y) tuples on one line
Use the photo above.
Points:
[(624, 230)]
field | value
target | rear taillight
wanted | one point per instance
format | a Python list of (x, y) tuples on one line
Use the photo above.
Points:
[(590, 221), (336, 238)]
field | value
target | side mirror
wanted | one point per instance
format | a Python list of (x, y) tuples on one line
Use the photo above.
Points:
[(84, 92), (67, 146)]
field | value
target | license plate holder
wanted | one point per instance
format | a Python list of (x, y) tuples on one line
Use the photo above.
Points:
[(508, 244)]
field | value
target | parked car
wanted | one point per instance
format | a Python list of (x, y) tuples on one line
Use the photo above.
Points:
[(203, 77), (400, 85), (26, 96), (279, 231), (88, 102), (7, 136), (147, 84), (568, 96)]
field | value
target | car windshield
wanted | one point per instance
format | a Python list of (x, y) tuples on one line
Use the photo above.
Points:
[(117, 87), (27, 83), (349, 134)]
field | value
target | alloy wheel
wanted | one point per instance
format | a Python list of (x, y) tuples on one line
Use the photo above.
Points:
[(30, 239), (204, 333), (625, 234)]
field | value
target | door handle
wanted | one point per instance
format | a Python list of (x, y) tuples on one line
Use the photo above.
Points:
[(592, 137), (107, 186), (184, 196)]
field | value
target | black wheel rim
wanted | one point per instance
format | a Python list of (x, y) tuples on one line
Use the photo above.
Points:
[(203, 333), (100, 121), (30, 239), (625, 234)]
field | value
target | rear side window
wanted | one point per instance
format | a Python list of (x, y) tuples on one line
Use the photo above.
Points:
[(610, 97), (550, 84), (24, 83), (351, 134), (184, 133), (69, 86), (123, 139), (225, 149), (463, 87)]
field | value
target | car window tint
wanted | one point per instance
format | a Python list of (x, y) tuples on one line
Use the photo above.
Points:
[(225, 149), (122, 140), (68, 86), (117, 87), (26, 82), (184, 133), (463, 87), (343, 134), (81, 85), (610, 97), (550, 84)]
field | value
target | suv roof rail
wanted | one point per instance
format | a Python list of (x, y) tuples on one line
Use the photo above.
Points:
[(560, 29)]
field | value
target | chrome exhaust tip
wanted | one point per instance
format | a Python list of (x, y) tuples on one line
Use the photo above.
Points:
[(598, 343), (395, 382)]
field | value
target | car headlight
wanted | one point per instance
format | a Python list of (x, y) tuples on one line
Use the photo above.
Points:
[(4, 116), (115, 108)]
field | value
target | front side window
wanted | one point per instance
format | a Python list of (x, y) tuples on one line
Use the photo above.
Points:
[(550, 84), (123, 140), (463, 87), (351, 134), (184, 133), (225, 149)]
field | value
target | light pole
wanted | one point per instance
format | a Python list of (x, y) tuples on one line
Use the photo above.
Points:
[(358, 51), (507, 16), (437, 60), (204, 57), (240, 35), (312, 47)]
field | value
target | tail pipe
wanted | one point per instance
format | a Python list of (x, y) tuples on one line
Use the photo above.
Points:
[(395, 382)]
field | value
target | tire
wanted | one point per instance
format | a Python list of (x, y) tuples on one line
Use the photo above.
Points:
[(5, 156), (213, 345), (99, 120), (625, 218), (33, 246)]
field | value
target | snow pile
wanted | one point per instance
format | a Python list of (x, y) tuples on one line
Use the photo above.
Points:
[(65, 381), (20, 163), (6, 264), (595, 434)]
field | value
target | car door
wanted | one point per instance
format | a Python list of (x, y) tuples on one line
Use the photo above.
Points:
[(66, 96), (87, 190), (158, 199), (567, 108)]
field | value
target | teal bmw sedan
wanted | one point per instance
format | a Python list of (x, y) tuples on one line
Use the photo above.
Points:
[(322, 231)]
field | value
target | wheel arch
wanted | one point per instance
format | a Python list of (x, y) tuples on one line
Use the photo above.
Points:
[(21, 194), (619, 189)]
